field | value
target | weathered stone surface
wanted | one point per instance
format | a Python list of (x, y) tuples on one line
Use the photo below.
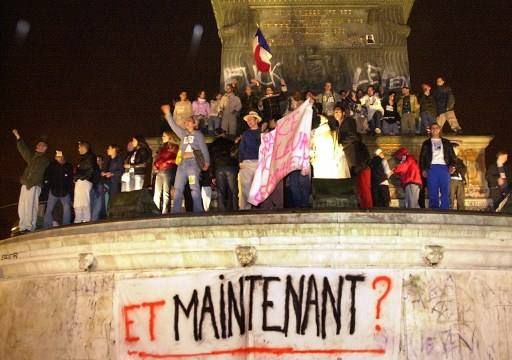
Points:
[(353, 43), (457, 309)]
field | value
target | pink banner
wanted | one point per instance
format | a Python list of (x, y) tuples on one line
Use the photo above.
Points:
[(282, 150)]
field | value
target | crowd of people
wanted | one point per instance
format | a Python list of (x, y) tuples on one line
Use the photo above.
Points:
[(215, 144)]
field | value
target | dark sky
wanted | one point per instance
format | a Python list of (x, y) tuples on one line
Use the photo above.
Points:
[(98, 70)]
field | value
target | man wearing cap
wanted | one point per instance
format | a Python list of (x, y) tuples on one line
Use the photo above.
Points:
[(437, 161), (248, 156), (408, 108), (31, 181), (59, 179)]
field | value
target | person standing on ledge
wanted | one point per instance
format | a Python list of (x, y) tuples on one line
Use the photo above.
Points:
[(445, 102), (428, 108), (182, 109), (193, 152), (437, 161), (328, 99), (409, 108), (499, 178), (230, 107), (86, 175), (31, 181), (59, 179)]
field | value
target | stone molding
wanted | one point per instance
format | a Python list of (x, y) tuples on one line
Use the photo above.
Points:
[(397, 239)]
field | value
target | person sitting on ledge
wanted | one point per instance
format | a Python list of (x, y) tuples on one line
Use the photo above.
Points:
[(371, 101)]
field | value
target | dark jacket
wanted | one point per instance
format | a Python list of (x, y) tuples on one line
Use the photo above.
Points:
[(271, 106), (428, 104), (220, 153), (493, 174), (426, 154), (460, 169), (33, 175), (139, 163), (444, 99), (356, 152), (115, 166), (391, 114), (59, 178), (87, 168), (249, 103), (378, 173)]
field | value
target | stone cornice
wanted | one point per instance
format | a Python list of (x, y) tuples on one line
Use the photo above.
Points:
[(392, 239)]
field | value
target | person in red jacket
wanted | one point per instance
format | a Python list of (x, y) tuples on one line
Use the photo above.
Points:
[(165, 170), (410, 176)]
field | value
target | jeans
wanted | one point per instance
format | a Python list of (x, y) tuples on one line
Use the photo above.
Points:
[(98, 206), (188, 171), (227, 188), (390, 128), (438, 184), (427, 119), (27, 207), (298, 189), (50, 205), (213, 124), (163, 182)]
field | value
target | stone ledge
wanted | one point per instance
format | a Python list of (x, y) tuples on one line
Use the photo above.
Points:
[(399, 239)]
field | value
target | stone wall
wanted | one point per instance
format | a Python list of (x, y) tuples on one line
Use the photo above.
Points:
[(352, 43), (57, 285)]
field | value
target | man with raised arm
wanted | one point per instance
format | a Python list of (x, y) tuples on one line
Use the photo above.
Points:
[(195, 157), (31, 181)]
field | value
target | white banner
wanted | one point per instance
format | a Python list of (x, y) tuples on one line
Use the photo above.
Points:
[(282, 150), (260, 313)]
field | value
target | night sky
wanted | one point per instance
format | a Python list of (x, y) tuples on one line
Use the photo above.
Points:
[(99, 70)]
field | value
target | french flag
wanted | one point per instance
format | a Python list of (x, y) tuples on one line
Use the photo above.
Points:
[(261, 52)]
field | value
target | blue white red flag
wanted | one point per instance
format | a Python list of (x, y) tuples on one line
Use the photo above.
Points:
[(261, 52)]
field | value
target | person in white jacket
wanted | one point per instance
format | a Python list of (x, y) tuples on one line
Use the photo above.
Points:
[(372, 103)]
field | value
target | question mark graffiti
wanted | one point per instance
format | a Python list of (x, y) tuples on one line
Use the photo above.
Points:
[(387, 281)]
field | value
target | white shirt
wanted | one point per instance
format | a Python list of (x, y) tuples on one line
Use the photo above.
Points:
[(437, 152)]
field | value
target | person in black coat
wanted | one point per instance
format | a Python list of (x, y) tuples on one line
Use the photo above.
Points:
[(86, 174), (499, 178), (59, 180)]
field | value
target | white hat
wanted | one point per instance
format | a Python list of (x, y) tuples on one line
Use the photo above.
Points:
[(378, 151), (59, 153), (253, 114)]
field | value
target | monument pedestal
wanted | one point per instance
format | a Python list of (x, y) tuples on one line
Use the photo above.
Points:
[(352, 43), (472, 152)]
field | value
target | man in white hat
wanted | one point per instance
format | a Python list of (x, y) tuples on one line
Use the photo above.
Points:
[(248, 157), (59, 179)]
